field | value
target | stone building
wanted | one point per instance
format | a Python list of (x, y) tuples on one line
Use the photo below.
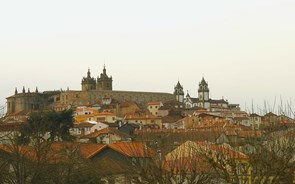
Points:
[(27, 101), (92, 92)]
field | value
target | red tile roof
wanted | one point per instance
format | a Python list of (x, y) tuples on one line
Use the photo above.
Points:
[(132, 149), (141, 116), (104, 131)]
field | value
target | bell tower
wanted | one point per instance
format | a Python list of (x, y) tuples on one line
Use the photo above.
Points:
[(104, 82), (178, 92), (203, 94), (88, 83)]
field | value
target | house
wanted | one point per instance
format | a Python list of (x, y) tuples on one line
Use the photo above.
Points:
[(234, 137), (206, 157), (146, 120), (255, 121), (170, 121), (127, 107), (270, 119), (153, 107), (129, 128), (245, 121), (171, 107), (183, 123), (108, 170), (87, 127), (106, 136), (105, 116), (83, 110)]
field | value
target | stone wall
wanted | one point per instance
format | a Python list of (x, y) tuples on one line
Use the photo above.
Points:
[(77, 98)]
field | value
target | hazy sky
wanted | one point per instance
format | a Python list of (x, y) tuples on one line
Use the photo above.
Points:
[(244, 49)]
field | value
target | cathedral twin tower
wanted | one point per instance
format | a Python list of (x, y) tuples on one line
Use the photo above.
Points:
[(102, 83)]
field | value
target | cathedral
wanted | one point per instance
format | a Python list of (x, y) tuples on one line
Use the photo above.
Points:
[(94, 90)]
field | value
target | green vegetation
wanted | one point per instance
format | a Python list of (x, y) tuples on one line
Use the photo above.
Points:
[(52, 125)]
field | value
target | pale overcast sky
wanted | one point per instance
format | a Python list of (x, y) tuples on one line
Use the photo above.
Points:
[(244, 49)]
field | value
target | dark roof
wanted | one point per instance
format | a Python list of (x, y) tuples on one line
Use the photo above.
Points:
[(171, 118), (254, 115), (203, 82), (114, 125), (218, 101), (270, 114), (178, 85), (211, 115), (131, 124), (195, 100), (169, 105)]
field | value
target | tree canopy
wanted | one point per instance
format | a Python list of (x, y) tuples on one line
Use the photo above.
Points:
[(50, 125)]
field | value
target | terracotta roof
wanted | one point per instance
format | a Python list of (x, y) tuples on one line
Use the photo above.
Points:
[(142, 116), (107, 130), (132, 149), (9, 126), (250, 133), (30, 152), (230, 133), (86, 150), (191, 149)]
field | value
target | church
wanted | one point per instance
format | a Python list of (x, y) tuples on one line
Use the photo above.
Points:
[(203, 101)]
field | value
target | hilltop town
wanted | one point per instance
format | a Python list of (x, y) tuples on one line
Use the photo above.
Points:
[(149, 137)]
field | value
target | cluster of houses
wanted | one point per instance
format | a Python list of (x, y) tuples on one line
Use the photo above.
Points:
[(119, 133)]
